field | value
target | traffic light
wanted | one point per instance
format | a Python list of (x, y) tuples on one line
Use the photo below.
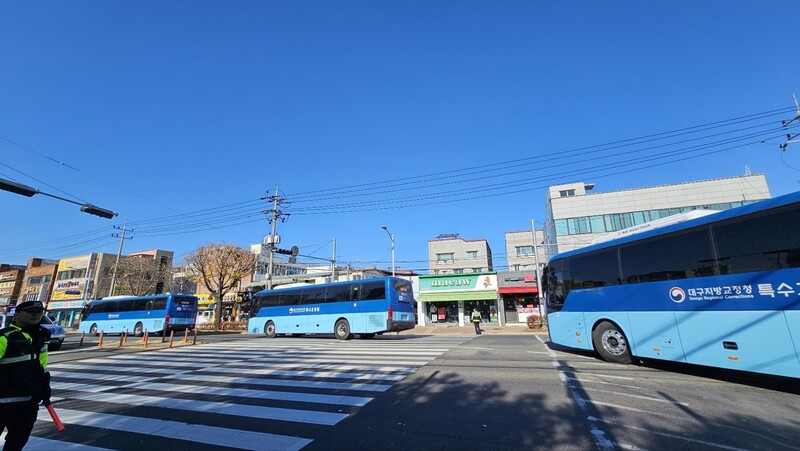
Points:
[(292, 252)]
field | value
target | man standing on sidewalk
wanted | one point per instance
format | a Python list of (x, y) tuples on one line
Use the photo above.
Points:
[(24, 379), (476, 320)]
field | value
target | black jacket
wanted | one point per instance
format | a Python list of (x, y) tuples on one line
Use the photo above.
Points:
[(23, 363)]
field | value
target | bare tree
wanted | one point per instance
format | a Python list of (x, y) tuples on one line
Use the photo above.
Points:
[(219, 267), (139, 276), (181, 283)]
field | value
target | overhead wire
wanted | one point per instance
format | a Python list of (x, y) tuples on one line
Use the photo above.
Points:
[(306, 203)]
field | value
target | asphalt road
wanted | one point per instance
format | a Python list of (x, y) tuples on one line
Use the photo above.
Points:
[(511, 392)]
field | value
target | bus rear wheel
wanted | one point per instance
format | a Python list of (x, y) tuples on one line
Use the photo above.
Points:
[(138, 330), (342, 329), (269, 330), (611, 343)]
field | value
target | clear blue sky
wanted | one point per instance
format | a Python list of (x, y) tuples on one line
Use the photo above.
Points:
[(429, 117)]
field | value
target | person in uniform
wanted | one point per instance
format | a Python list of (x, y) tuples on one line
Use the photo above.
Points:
[(24, 379), (476, 320)]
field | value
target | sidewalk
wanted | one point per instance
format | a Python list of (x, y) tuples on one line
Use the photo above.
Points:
[(469, 330)]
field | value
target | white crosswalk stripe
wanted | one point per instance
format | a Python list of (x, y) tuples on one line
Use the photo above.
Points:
[(252, 393)]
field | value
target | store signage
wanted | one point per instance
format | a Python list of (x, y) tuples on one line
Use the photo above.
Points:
[(69, 289), (460, 282), (62, 305)]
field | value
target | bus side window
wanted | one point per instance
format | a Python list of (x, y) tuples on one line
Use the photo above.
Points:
[(160, 303), (314, 295), (338, 293), (374, 289), (139, 305), (355, 292)]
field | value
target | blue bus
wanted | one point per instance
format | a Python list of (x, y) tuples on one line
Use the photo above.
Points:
[(365, 307), (722, 291), (160, 313)]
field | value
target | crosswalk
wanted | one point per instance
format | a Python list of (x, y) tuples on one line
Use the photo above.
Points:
[(252, 393)]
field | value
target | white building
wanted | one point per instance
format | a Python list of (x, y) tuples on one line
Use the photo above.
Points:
[(576, 218), (449, 254), (520, 253)]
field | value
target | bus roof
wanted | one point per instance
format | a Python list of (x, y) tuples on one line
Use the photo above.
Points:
[(147, 296), (755, 207)]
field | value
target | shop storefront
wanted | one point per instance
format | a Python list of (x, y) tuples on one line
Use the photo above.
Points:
[(447, 300), (520, 295), (72, 289)]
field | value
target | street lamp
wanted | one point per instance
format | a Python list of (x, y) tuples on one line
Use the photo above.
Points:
[(25, 190), (391, 237)]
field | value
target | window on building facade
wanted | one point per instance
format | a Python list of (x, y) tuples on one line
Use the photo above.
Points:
[(618, 221), (524, 251), (566, 192), (444, 258), (458, 271), (472, 255), (71, 274), (35, 280)]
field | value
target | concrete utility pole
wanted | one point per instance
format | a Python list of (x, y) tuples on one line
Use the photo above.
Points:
[(119, 253), (276, 216), (333, 262), (538, 271)]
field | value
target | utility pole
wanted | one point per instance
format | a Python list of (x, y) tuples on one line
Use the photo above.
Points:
[(790, 139), (121, 237), (538, 271), (333, 262), (276, 215)]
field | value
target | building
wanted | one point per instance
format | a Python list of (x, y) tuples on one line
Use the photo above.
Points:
[(448, 299), (449, 254), (11, 280), (576, 218), (83, 278), (520, 253), (40, 274)]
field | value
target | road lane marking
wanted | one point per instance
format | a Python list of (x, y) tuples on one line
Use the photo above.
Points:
[(283, 382), (197, 433), (666, 434)]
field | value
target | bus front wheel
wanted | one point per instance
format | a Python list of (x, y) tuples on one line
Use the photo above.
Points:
[(138, 330), (342, 329), (93, 330), (269, 330), (611, 343)]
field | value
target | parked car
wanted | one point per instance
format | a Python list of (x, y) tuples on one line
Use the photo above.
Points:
[(57, 333)]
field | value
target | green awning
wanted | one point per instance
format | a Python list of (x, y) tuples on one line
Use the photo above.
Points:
[(477, 295)]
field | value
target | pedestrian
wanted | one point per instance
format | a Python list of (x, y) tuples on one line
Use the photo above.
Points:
[(476, 320), (24, 379)]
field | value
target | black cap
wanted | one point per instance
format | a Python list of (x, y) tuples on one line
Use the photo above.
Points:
[(30, 306)]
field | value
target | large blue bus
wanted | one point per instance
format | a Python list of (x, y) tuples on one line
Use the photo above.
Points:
[(721, 290), (365, 307), (160, 313)]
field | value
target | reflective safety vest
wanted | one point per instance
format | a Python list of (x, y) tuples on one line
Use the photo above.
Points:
[(476, 317), (23, 363)]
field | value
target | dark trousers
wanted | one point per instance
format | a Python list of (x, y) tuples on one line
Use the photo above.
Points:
[(18, 420), (477, 327)]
